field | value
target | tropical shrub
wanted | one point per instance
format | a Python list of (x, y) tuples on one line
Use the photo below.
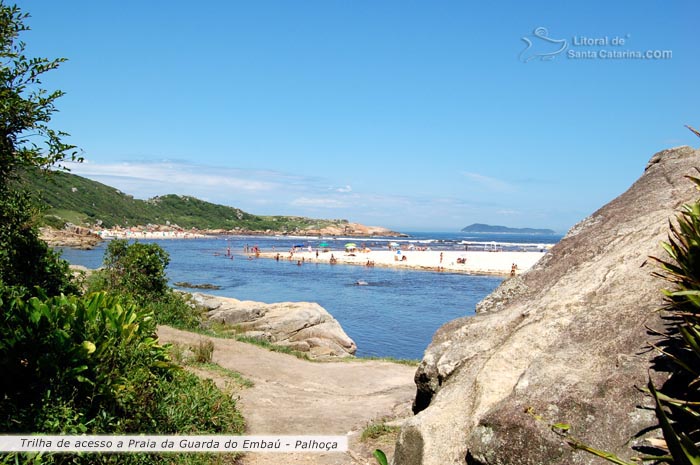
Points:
[(83, 356), (74, 365), (26, 262), (136, 269), (677, 403), (26, 142), (172, 309)]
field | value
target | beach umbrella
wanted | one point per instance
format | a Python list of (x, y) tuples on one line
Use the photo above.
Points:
[(323, 244), (393, 244), (350, 245)]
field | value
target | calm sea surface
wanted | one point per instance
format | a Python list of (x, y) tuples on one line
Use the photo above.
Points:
[(395, 315)]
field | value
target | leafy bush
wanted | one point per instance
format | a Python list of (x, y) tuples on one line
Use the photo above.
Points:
[(91, 354), (137, 269), (196, 406), (172, 309), (92, 364), (25, 260), (677, 403), (26, 141)]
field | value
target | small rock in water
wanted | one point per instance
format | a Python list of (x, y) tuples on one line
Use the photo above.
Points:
[(197, 286)]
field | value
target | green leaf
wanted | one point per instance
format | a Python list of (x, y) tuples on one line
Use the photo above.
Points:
[(88, 346), (381, 457), (684, 452)]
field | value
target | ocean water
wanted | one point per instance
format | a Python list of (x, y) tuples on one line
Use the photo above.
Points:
[(395, 315)]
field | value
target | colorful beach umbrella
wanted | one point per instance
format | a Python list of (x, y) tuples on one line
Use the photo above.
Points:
[(323, 244), (350, 245)]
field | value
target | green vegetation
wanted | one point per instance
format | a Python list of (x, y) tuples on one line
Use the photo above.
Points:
[(70, 363), (377, 430), (25, 260), (380, 457), (400, 361), (187, 356), (380, 434), (265, 344), (204, 351), (93, 365), (677, 403), (81, 201), (138, 270), (25, 142), (236, 377), (487, 228)]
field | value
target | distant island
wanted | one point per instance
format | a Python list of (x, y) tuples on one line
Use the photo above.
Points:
[(479, 228)]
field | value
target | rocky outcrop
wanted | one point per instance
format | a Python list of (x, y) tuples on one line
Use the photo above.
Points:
[(568, 339), (301, 326), (354, 230), (344, 229), (71, 236)]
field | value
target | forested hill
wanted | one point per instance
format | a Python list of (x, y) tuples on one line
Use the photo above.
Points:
[(81, 201), (487, 228)]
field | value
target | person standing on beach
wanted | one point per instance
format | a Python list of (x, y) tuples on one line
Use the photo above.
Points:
[(440, 257)]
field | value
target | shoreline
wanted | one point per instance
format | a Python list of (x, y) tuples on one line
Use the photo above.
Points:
[(107, 234), (475, 262)]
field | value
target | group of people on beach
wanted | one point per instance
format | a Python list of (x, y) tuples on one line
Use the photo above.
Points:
[(446, 259)]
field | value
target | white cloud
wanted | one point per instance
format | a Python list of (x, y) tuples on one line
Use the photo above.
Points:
[(508, 212), (488, 182), (267, 192), (174, 173), (319, 202)]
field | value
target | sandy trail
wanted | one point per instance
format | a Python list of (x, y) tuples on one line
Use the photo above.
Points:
[(297, 397)]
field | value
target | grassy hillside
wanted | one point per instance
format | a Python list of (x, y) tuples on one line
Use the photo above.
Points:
[(81, 201)]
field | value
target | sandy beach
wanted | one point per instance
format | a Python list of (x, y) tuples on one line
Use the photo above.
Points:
[(471, 262)]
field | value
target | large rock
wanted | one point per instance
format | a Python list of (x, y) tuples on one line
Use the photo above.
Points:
[(302, 326), (569, 339), (71, 236)]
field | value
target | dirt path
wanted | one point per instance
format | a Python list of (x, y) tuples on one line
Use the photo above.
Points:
[(298, 397)]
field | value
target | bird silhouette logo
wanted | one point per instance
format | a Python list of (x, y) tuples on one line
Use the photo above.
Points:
[(541, 47)]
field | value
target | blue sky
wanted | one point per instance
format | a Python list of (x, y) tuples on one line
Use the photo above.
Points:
[(406, 114)]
